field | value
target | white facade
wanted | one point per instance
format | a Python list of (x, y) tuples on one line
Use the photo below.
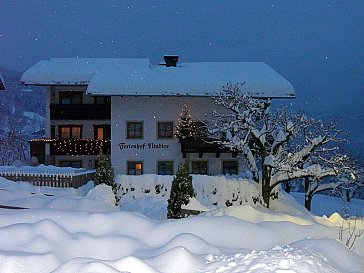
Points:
[(150, 149), (145, 94)]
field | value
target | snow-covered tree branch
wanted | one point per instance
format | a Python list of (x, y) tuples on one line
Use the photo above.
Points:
[(277, 146)]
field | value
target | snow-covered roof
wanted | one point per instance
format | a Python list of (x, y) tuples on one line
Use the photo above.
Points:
[(138, 77), (74, 71), (2, 83)]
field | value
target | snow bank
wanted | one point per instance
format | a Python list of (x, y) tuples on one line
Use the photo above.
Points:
[(246, 238), (210, 190), (103, 193), (122, 241), (26, 195)]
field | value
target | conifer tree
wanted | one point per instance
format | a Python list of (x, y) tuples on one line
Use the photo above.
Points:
[(185, 127), (181, 192), (105, 173)]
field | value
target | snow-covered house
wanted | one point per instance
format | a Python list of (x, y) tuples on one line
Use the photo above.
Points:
[(130, 107)]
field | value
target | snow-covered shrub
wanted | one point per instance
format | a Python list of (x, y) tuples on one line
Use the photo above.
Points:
[(181, 192), (102, 193), (105, 174)]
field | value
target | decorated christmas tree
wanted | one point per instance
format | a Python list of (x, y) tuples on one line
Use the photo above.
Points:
[(105, 173), (185, 127), (181, 192)]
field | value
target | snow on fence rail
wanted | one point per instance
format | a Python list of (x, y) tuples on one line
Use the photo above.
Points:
[(51, 176)]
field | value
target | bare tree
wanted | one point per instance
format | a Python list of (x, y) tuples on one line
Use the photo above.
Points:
[(12, 147), (277, 146), (352, 180)]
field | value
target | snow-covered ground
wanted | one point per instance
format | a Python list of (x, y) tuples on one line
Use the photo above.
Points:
[(69, 230)]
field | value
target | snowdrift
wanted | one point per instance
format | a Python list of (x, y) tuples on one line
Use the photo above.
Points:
[(74, 237)]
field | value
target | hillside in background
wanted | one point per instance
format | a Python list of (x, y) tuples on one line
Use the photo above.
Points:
[(22, 108)]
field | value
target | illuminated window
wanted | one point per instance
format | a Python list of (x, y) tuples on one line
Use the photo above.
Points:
[(76, 132), (70, 97), (135, 167), (102, 132), (70, 131), (165, 130), (134, 129), (199, 167), (65, 132), (165, 167), (230, 167)]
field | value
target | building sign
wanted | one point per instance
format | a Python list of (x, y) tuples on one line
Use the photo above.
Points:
[(142, 146)]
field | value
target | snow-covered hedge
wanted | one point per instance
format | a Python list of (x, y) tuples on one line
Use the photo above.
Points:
[(218, 191)]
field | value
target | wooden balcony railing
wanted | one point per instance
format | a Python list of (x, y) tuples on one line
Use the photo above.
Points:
[(81, 146), (80, 111), (203, 145)]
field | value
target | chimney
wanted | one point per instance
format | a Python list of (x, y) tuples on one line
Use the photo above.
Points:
[(171, 60)]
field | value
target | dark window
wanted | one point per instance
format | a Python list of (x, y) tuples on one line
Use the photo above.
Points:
[(73, 164), (135, 129), (53, 131), (102, 100), (70, 131), (165, 130), (70, 97), (201, 129), (199, 167), (102, 132), (230, 167), (165, 167), (96, 164), (135, 167)]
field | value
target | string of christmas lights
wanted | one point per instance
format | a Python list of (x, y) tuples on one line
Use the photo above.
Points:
[(185, 128)]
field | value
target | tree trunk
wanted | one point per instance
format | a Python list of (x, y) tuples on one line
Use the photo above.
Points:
[(347, 196), (266, 193), (287, 187), (308, 199)]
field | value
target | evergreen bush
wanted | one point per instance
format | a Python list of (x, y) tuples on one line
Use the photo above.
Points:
[(105, 174), (181, 192)]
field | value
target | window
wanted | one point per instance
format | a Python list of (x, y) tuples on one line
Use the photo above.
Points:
[(230, 167), (68, 163), (70, 97), (53, 132), (102, 132), (70, 131), (102, 100), (134, 129), (165, 130), (201, 129), (199, 167), (165, 167), (135, 167)]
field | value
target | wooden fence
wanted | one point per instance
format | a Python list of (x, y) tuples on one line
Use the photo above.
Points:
[(52, 180)]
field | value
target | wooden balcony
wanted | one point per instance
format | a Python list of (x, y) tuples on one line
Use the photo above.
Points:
[(80, 111), (81, 146), (202, 146)]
